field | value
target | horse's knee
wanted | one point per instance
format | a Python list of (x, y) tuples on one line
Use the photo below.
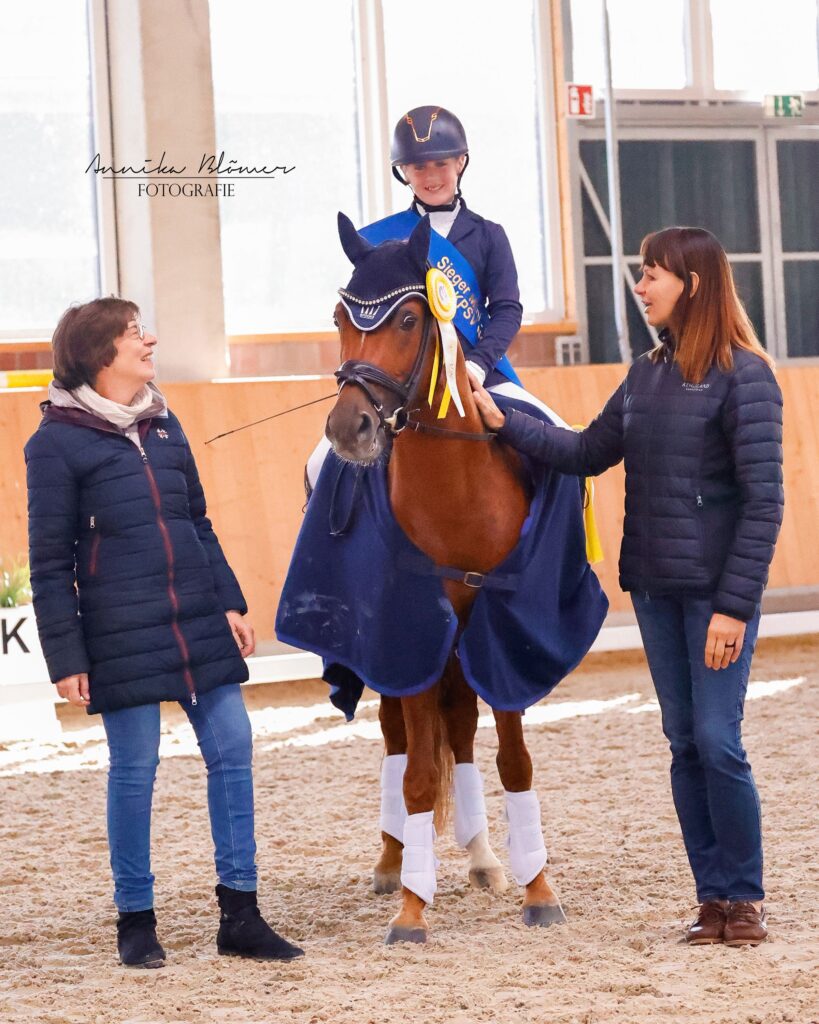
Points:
[(420, 788), (515, 769)]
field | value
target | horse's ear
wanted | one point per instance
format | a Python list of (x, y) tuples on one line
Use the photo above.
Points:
[(351, 242), (419, 244)]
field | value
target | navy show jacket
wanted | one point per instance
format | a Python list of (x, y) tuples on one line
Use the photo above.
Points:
[(486, 247), (704, 495), (130, 583)]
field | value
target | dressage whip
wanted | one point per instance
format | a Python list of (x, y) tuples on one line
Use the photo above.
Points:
[(275, 415)]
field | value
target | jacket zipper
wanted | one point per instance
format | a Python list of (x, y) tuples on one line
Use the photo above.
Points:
[(664, 370), (166, 541)]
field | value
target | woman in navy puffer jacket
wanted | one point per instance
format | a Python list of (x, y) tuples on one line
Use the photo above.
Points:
[(136, 604), (698, 422)]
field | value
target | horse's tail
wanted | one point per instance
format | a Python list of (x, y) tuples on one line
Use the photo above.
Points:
[(444, 761)]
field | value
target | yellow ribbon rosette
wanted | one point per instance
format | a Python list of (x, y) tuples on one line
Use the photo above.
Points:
[(443, 302)]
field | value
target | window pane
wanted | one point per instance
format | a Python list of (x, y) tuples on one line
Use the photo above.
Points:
[(595, 240), (765, 47), (665, 182), (284, 91), (710, 184), (602, 334), (495, 98), (748, 279), (49, 254), (798, 166), (647, 44), (802, 306)]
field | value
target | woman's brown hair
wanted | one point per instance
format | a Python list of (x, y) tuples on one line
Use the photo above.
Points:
[(710, 323), (83, 342)]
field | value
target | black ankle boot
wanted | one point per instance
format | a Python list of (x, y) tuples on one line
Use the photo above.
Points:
[(244, 932), (137, 942)]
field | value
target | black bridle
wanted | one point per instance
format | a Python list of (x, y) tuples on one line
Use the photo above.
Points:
[(363, 374)]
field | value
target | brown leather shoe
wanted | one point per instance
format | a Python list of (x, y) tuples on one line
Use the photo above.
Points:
[(745, 925), (710, 924)]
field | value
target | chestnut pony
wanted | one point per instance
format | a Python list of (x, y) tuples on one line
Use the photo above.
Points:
[(461, 498)]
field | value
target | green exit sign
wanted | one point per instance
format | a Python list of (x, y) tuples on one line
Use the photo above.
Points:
[(785, 106)]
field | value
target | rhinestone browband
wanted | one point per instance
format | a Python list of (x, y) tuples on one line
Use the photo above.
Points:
[(403, 290)]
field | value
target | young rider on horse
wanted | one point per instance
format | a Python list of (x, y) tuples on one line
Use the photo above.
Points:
[(429, 147), (430, 154)]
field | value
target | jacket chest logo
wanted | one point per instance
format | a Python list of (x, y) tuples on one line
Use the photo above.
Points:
[(687, 386), (162, 433)]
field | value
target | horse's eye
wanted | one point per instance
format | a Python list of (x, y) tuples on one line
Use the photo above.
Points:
[(335, 321), (408, 321)]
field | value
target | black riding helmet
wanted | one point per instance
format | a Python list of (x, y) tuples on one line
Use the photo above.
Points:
[(427, 133)]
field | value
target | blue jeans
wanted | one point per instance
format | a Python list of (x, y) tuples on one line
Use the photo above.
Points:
[(222, 729), (711, 781)]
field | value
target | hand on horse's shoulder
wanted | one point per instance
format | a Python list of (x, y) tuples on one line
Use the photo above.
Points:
[(491, 415)]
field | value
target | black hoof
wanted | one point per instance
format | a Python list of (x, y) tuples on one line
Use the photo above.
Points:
[(398, 934), (543, 916), (385, 883)]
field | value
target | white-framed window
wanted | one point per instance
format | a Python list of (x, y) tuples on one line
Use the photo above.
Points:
[(320, 86), (698, 49), (49, 238), (284, 79), (510, 178), (793, 157), (752, 187)]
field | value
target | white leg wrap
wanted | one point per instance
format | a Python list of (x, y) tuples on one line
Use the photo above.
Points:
[(470, 807), (527, 851), (418, 868), (316, 460), (393, 808)]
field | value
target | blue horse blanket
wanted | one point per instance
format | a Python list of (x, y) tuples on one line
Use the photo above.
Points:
[(361, 595)]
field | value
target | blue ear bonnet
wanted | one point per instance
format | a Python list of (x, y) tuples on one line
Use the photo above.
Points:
[(385, 275)]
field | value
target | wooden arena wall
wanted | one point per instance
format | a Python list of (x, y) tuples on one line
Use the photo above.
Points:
[(253, 480)]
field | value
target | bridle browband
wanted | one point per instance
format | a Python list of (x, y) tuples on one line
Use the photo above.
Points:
[(362, 373)]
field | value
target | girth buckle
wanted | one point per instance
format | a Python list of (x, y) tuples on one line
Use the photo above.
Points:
[(474, 579)]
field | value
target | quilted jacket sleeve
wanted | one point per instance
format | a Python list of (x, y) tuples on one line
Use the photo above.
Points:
[(52, 536), (581, 452), (752, 422), (504, 310), (227, 586)]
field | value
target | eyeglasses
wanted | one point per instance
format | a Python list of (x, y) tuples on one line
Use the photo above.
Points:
[(140, 327)]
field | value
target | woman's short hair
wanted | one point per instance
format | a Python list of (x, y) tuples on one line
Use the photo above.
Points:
[(710, 322), (83, 342)]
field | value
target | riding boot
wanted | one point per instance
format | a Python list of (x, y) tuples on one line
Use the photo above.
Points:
[(244, 932), (137, 943)]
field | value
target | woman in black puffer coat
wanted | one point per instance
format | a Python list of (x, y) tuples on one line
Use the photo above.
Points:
[(698, 422), (136, 604)]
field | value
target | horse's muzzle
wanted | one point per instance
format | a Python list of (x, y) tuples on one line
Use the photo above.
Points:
[(353, 429)]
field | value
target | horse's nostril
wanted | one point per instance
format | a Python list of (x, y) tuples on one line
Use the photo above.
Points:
[(366, 424)]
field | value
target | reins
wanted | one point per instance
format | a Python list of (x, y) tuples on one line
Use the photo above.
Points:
[(275, 415), (363, 374)]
